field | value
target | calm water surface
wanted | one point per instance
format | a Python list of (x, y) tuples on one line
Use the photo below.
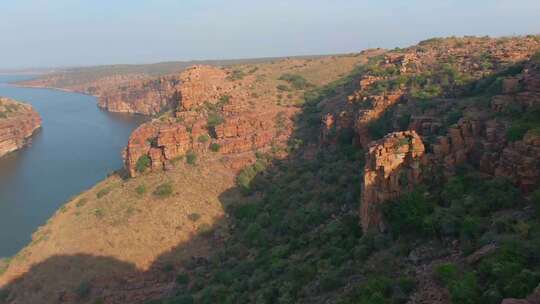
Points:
[(76, 147)]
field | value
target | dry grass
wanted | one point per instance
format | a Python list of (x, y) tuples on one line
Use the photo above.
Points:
[(117, 222)]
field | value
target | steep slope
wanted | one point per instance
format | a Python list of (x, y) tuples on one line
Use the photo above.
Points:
[(410, 178), (132, 230), (18, 122), (144, 89)]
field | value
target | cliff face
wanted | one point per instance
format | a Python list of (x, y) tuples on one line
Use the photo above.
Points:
[(18, 122), (426, 71), (477, 131), (147, 97), (213, 111), (392, 169)]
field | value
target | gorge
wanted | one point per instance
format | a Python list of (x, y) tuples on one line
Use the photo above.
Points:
[(78, 145), (385, 176)]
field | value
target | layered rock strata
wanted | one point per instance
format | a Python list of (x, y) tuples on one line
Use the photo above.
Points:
[(18, 122)]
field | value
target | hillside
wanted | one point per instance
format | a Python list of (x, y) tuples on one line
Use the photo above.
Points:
[(18, 122), (130, 88), (402, 176)]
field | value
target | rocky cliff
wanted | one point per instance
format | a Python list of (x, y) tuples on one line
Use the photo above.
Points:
[(393, 167), (18, 122), (455, 127), (213, 111)]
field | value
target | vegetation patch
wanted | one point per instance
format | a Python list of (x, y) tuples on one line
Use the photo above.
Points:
[(191, 157), (143, 163), (164, 190)]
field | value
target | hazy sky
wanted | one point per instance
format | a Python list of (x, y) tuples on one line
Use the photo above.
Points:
[(44, 33)]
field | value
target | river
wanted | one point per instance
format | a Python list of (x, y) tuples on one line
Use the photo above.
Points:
[(76, 147)]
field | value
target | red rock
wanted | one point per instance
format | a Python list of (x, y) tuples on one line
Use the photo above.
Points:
[(392, 168), (18, 122)]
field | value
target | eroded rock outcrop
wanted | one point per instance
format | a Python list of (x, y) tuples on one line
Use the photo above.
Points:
[(413, 73), (147, 97), (392, 168), (213, 115), (18, 122)]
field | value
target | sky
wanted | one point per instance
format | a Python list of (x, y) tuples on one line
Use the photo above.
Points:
[(60, 33)]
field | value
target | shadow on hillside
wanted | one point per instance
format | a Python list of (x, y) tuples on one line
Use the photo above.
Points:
[(304, 196), (97, 279)]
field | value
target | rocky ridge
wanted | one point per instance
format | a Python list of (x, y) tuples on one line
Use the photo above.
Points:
[(18, 122)]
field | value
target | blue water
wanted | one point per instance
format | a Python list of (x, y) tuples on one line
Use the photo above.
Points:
[(76, 147)]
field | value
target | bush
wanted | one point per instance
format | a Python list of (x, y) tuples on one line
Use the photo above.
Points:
[(143, 163), (163, 190), (182, 279), (236, 75), (83, 290), (203, 138), (246, 176), (409, 213), (191, 157), (535, 199), (101, 193), (194, 217), (283, 88), (446, 273), (214, 119), (297, 81), (465, 290), (141, 189), (214, 147)]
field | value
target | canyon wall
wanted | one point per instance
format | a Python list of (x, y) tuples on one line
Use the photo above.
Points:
[(213, 117), (392, 168), (18, 122), (482, 136)]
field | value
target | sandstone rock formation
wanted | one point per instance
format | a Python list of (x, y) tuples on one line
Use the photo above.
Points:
[(147, 97), (212, 111), (392, 168), (397, 76), (479, 138), (18, 122)]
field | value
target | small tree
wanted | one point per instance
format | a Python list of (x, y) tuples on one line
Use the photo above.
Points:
[(214, 147), (191, 158), (143, 163)]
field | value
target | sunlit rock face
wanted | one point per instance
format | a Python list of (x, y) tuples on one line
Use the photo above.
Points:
[(18, 122), (392, 168)]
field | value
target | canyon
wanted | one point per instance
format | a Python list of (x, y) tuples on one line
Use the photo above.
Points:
[(246, 171), (18, 122)]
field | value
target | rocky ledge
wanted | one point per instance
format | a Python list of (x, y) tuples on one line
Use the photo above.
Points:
[(18, 122)]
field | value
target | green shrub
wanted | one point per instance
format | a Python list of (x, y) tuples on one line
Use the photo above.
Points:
[(536, 58), (143, 163), (141, 189), (246, 176), (465, 290), (236, 75), (214, 119), (447, 273), (182, 299), (182, 279), (283, 88), (297, 81), (163, 190), (191, 157), (101, 193), (409, 213), (194, 217), (203, 138), (535, 199), (4, 295), (214, 147), (83, 290)]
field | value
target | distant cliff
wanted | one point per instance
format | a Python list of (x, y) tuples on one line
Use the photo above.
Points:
[(18, 122)]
